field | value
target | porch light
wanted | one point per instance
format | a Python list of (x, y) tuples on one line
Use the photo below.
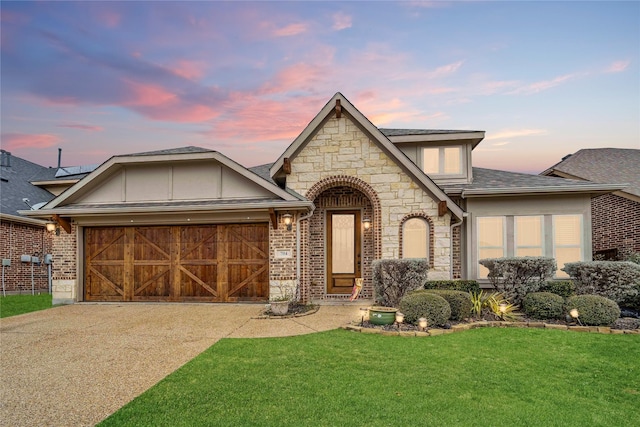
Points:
[(399, 317), (366, 223), (287, 218), (422, 323), (51, 227)]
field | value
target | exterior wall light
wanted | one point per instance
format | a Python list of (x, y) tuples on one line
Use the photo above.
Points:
[(53, 227), (287, 218), (366, 223)]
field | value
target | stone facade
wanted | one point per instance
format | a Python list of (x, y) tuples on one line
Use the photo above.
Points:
[(615, 225), (24, 239), (341, 152)]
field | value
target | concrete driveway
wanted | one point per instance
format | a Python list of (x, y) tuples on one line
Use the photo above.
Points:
[(75, 365)]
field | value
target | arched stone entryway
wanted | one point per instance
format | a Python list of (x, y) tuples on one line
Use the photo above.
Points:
[(339, 196)]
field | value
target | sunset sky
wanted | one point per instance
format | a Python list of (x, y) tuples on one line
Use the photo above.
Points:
[(543, 79)]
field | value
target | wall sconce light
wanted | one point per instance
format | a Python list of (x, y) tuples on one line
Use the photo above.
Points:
[(287, 218), (51, 227), (366, 223), (422, 323), (399, 317)]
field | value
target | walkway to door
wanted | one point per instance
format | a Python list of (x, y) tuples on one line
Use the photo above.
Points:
[(75, 365)]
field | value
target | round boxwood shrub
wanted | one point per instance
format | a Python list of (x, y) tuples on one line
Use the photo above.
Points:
[(564, 288), (419, 304), (460, 302), (543, 305), (594, 309)]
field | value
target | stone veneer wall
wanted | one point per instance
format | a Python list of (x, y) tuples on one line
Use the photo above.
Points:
[(24, 239), (341, 148), (64, 270), (615, 223)]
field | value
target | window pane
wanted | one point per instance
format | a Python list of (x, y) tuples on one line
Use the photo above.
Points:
[(342, 243), (430, 160), (483, 271), (528, 231), (490, 231), (564, 255), (529, 252), (415, 238), (567, 230), (452, 164)]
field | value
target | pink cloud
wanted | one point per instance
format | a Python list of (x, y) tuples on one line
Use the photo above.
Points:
[(13, 141), (110, 18), (301, 76), (81, 127), (542, 85), (188, 69), (341, 21), (290, 30), (445, 70), (618, 67)]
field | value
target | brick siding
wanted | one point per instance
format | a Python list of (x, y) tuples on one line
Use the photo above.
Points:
[(23, 239), (615, 224)]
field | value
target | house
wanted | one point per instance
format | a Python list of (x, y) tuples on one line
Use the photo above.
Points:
[(615, 216), (21, 235), (190, 224)]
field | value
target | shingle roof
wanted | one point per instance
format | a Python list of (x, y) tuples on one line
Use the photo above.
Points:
[(405, 132), (618, 165), (179, 150), (493, 180), (15, 185)]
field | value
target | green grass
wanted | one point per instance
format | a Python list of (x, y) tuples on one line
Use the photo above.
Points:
[(483, 377), (12, 305)]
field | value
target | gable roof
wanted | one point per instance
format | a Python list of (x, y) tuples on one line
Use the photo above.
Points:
[(15, 185), (57, 205), (377, 137), (491, 182), (619, 165)]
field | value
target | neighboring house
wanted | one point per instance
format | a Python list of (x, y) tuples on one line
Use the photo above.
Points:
[(615, 216), (190, 224), (19, 234)]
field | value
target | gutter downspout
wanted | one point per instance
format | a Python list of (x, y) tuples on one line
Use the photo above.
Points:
[(455, 224), (302, 218)]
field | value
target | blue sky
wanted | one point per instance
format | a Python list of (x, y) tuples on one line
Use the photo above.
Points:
[(543, 79)]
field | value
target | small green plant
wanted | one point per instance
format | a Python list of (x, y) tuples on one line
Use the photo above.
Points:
[(543, 305), (455, 285), (394, 278), (564, 288), (422, 303), (594, 310), (501, 308), (478, 302), (459, 301)]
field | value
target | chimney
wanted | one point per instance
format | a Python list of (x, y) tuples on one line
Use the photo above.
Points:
[(59, 157)]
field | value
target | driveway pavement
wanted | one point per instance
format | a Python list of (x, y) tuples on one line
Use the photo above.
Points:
[(75, 365)]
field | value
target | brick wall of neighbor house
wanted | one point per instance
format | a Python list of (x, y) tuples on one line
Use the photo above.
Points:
[(23, 239), (64, 276), (282, 271), (341, 148), (615, 224)]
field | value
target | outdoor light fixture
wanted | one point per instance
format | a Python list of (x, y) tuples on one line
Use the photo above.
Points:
[(399, 317), (503, 310), (576, 315), (366, 223), (51, 227), (363, 311), (422, 323), (287, 218)]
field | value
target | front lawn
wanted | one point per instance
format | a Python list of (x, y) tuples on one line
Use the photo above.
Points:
[(482, 377), (12, 305)]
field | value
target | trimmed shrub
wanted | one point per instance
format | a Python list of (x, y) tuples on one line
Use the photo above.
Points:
[(394, 278), (594, 310), (460, 302), (454, 285), (515, 277), (564, 288), (425, 304), (543, 305), (616, 280)]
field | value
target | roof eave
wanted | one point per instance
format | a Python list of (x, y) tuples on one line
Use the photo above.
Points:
[(559, 189), (22, 219)]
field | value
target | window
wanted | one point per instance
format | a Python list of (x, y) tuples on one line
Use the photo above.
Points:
[(442, 160), (491, 240), (567, 240), (415, 238), (529, 236)]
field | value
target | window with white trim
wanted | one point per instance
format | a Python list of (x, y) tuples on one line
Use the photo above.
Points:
[(415, 238), (567, 240), (442, 160), (529, 235), (491, 240)]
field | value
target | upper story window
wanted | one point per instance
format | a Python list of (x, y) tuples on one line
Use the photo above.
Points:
[(442, 160)]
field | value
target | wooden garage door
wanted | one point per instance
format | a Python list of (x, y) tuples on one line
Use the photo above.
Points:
[(213, 263)]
